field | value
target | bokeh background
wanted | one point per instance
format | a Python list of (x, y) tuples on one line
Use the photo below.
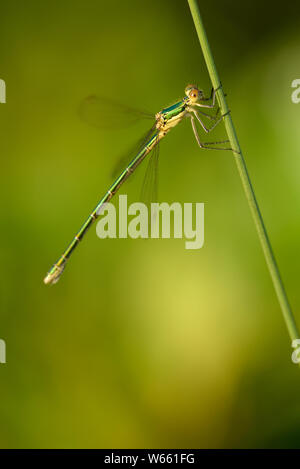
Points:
[(143, 344)]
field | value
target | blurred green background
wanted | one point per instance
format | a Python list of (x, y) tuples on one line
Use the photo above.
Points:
[(143, 343)]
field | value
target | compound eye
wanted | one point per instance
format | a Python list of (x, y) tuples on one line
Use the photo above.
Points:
[(194, 94)]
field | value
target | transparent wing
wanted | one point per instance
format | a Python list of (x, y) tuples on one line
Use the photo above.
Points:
[(125, 159), (106, 113), (149, 191)]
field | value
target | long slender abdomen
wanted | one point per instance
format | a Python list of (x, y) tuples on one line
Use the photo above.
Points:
[(58, 268)]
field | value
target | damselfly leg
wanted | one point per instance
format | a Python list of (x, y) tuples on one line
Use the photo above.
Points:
[(206, 145), (208, 129)]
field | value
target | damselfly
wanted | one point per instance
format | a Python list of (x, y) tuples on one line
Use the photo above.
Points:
[(165, 120)]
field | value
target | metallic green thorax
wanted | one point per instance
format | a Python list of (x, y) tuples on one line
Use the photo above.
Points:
[(174, 110)]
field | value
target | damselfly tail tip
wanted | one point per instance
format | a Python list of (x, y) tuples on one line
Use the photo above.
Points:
[(53, 276)]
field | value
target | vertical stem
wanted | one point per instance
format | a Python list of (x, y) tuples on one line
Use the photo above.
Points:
[(243, 172)]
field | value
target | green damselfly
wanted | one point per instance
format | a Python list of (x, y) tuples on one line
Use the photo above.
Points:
[(165, 120)]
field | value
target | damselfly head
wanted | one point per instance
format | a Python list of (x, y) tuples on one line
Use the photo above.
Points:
[(193, 93)]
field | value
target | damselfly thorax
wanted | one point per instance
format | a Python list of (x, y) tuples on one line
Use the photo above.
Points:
[(170, 117)]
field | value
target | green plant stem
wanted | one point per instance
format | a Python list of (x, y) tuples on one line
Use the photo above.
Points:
[(242, 169)]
